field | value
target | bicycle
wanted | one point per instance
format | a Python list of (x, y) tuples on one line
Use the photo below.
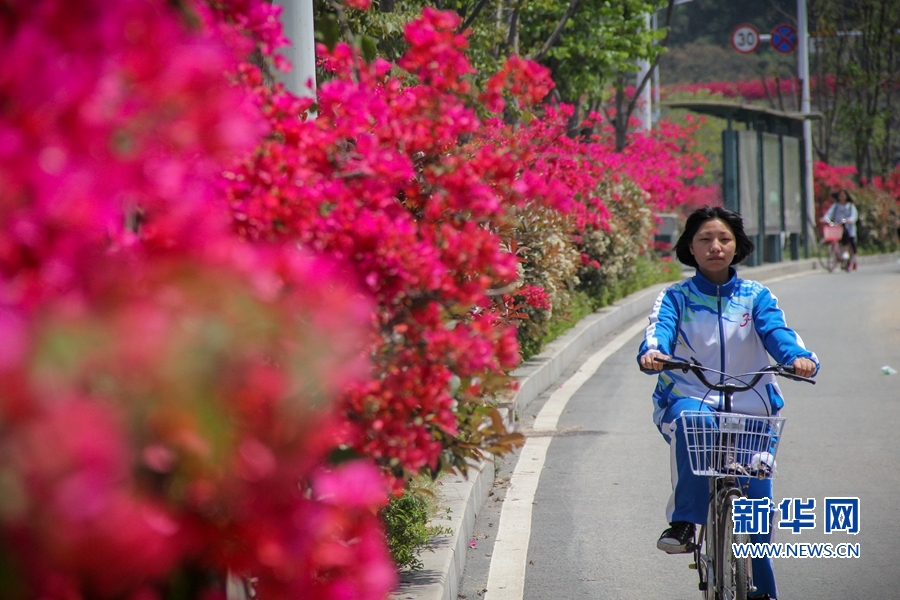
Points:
[(726, 446), (831, 252)]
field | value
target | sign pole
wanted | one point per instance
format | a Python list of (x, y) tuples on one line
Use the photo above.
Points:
[(655, 81), (803, 72)]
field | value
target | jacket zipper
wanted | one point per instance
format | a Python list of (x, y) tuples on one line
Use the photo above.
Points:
[(721, 342)]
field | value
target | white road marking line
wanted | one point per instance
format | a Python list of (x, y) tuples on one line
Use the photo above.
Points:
[(506, 579)]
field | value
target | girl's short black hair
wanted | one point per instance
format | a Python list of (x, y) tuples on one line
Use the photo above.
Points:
[(744, 245), (837, 194)]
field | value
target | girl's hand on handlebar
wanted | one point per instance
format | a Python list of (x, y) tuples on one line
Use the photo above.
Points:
[(649, 362), (803, 367)]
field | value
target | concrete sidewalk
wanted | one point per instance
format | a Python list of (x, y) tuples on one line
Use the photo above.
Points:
[(443, 568)]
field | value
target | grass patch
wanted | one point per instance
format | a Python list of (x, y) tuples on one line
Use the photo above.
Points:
[(406, 519)]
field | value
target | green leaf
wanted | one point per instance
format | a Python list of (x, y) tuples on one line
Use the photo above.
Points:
[(328, 30), (369, 48)]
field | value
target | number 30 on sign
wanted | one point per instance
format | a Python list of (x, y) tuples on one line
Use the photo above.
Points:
[(745, 39)]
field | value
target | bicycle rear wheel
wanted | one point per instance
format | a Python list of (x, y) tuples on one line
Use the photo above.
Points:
[(733, 576), (822, 249)]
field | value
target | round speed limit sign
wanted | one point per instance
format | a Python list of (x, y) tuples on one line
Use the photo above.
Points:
[(745, 39)]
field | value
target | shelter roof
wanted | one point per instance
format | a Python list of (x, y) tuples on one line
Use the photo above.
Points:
[(744, 113)]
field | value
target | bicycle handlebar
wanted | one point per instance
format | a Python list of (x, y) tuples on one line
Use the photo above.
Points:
[(786, 371)]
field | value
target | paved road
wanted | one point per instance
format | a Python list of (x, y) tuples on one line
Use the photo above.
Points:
[(598, 506)]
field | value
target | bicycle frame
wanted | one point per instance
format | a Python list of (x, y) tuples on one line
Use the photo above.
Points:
[(710, 566)]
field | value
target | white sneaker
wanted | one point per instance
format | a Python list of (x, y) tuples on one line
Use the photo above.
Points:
[(763, 463)]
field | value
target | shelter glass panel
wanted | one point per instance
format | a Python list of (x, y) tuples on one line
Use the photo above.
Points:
[(793, 182), (772, 182), (748, 177)]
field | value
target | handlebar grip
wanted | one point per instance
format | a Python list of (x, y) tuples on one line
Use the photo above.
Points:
[(670, 364), (788, 371)]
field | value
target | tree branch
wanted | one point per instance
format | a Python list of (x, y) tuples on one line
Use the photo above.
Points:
[(791, 17), (573, 6), (472, 16)]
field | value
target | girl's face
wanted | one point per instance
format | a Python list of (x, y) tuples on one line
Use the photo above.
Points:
[(713, 247), (842, 196)]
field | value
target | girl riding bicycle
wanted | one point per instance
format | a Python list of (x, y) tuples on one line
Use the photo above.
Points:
[(724, 322), (844, 213)]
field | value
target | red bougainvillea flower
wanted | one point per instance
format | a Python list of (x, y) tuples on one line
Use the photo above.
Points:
[(535, 296)]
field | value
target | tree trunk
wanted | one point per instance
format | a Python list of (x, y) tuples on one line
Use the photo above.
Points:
[(512, 42), (621, 121), (625, 107)]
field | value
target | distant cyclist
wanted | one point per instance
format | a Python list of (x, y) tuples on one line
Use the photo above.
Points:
[(843, 212), (729, 324)]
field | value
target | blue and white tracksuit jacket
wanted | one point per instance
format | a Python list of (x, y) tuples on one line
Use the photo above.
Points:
[(732, 328)]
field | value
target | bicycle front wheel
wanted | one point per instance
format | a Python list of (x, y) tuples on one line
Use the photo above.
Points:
[(734, 573), (829, 256)]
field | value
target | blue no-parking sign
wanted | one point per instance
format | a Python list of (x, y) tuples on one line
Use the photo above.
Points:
[(784, 38)]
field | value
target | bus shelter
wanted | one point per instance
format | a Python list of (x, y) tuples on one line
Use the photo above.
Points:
[(763, 175)]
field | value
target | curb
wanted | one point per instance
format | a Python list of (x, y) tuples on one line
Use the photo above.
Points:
[(443, 568)]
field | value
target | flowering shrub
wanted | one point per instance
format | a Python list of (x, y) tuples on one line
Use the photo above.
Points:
[(386, 186), (610, 255), (164, 387), (879, 219), (697, 196), (877, 204), (891, 184), (548, 262), (747, 90), (831, 178), (651, 174)]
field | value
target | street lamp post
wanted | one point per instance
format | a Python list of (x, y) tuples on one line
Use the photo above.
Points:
[(803, 72), (653, 98), (297, 21), (645, 104)]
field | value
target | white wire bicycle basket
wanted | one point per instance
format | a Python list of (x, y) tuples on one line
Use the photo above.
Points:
[(721, 444)]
